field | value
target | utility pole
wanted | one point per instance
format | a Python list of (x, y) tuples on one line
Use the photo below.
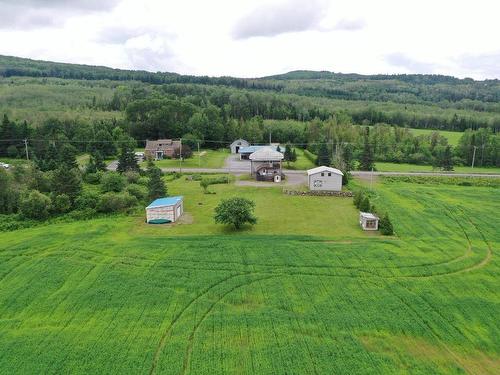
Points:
[(199, 155), (180, 158), (270, 138), (474, 156), (371, 180), (26, 148)]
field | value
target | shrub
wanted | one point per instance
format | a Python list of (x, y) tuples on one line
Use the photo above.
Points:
[(93, 178), (143, 180), (385, 225), (207, 181), (138, 191), (62, 203), (83, 214), (112, 182), (12, 152), (235, 211), (87, 200), (358, 197), (365, 206), (115, 202), (35, 206), (132, 177)]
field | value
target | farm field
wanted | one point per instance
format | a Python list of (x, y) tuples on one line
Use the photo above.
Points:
[(403, 167), (453, 137), (114, 295), (203, 159)]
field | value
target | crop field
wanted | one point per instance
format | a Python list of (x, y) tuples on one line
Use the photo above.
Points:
[(303, 292)]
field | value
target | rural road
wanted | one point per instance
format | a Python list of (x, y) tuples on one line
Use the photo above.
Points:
[(236, 166)]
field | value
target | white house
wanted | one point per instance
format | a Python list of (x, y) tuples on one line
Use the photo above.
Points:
[(170, 209), (325, 179), (265, 164), (368, 221), (236, 145)]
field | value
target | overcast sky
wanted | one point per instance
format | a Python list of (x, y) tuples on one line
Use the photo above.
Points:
[(250, 38)]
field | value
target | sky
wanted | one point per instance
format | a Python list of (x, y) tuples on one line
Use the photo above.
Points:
[(255, 38)]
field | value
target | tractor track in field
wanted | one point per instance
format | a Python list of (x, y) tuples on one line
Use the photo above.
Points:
[(165, 334), (189, 350), (429, 328)]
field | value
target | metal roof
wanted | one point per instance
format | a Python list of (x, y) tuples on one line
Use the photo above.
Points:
[(254, 148), (324, 169), (368, 215), (162, 202), (266, 153)]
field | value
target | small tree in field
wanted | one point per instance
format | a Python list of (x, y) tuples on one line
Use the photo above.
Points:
[(156, 185), (364, 206), (385, 226), (235, 211)]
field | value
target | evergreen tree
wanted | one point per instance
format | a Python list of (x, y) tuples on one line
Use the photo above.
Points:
[(126, 159), (67, 182), (287, 156), (96, 163), (294, 156), (385, 225), (323, 156), (447, 159), (366, 162), (156, 185), (67, 156), (365, 206)]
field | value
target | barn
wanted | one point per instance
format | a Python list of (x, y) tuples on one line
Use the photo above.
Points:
[(236, 145), (170, 209), (325, 179)]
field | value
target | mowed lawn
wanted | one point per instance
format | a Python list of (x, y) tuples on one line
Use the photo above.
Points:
[(303, 292), (202, 159)]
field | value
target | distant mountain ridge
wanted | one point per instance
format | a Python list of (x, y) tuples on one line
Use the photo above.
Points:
[(401, 88)]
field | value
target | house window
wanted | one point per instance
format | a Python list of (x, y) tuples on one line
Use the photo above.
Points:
[(322, 174), (329, 174)]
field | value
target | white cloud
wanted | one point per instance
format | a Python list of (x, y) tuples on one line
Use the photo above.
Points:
[(251, 38)]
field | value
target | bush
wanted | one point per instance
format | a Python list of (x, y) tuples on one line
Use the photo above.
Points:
[(138, 191), (12, 152), (186, 152), (385, 226), (358, 198), (35, 206), (132, 177), (115, 202), (365, 206), (143, 180), (93, 178), (207, 181), (235, 211), (83, 214), (87, 200), (112, 182), (62, 203)]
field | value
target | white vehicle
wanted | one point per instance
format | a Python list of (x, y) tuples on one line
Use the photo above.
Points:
[(139, 156), (4, 165)]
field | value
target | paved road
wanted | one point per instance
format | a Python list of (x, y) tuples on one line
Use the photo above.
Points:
[(235, 166)]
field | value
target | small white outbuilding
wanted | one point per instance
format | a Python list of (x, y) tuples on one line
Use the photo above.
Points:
[(325, 179), (368, 221), (160, 209)]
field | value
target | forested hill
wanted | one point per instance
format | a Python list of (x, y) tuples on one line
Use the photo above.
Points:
[(412, 89)]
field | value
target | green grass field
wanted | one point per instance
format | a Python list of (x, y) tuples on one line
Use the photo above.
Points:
[(303, 292), (453, 137), (403, 167), (203, 159)]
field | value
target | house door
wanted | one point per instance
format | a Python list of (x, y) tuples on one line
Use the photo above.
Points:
[(237, 149), (159, 155)]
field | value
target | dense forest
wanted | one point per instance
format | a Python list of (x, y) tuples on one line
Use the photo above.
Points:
[(93, 107)]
